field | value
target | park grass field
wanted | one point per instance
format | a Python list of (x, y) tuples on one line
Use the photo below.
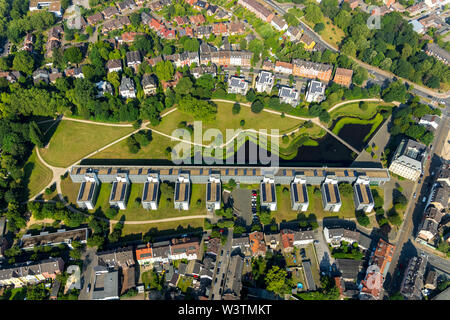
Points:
[(226, 120), (332, 34), (162, 226), (70, 190), (75, 140), (135, 211), (156, 149), (37, 174), (353, 110)]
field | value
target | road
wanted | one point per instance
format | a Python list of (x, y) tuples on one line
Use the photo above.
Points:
[(405, 247), (381, 75), (220, 271), (87, 274)]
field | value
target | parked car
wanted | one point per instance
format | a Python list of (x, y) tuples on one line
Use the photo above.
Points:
[(88, 288), (414, 195), (424, 199)]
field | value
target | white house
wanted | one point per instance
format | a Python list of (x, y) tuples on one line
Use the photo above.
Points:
[(315, 92), (150, 192), (362, 195), (182, 192), (264, 81), (268, 194), (299, 194), (213, 193)]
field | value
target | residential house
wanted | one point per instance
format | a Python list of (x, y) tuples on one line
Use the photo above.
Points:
[(315, 91), (74, 73), (168, 34), (114, 65), (233, 278), (268, 65), (104, 87), (220, 29), (308, 42), (106, 284), (413, 279), (203, 31), (40, 75), (149, 84), (134, 59), (150, 192), (430, 121), (268, 195), (222, 14), (430, 282), (10, 76), (408, 159), (236, 28), (264, 81), (181, 20), (312, 70), (87, 195), (272, 240), (95, 18), (184, 248), (110, 12), (237, 85), (156, 25), (146, 18), (211, 10), (197, 72), (22, 274), (169, 84), (336, 235), (54, 75), (428, 229), (283, 67), (52, 6), (257, 245), (362, 195), (299, 194), (243, 243), (417, 26), (258, 9), (197, 19), (213, 246), (416, 8), (349, 269), (29, 242), (153, 61), (129, 37), (28, 42), (182, 192), (213, 193), (343, 77), (293, 33), (127, 89), (289, 95), (120, 191), (432, 49), (279, 23)]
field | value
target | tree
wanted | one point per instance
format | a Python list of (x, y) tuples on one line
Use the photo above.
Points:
[(236, 108), (275, 280), (73, 55), (111, 213), (313, 14), (36, 135), (24, 62), (200, 109), (319, 27), (363, 105), (360, 75), (342, 19), (184, 86), (250, 95), (132, 144), (37, 292), (257, 106), (143, 137)]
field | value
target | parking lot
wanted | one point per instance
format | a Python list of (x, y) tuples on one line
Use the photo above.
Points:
[(242, 204)]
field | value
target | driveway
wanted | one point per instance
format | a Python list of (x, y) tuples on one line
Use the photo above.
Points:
[(243, 204), (323, 252), (87, 275)]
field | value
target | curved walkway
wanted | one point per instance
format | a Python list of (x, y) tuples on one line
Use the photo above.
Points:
[(353, 101), (316, 121)]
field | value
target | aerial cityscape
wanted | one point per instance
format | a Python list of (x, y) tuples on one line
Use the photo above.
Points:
[(229, 150)]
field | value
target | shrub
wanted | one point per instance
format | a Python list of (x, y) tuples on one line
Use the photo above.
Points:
[(236, 108), (257, 106)]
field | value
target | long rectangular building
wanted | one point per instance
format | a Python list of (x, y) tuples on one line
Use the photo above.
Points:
[(150, 192), (88, 191), (331, 198), (363, 196), (31, 273), (268, 194), (28, 242), (299, 194), (247, 175), (119, 192)]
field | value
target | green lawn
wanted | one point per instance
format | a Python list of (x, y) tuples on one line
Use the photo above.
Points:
[(74, 140), (162, 226), (332, 34), (37, 174), (154, 150), (226, 120), (353, 110), (285, 213), (70, 190), (184, 283), (135, 211)]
